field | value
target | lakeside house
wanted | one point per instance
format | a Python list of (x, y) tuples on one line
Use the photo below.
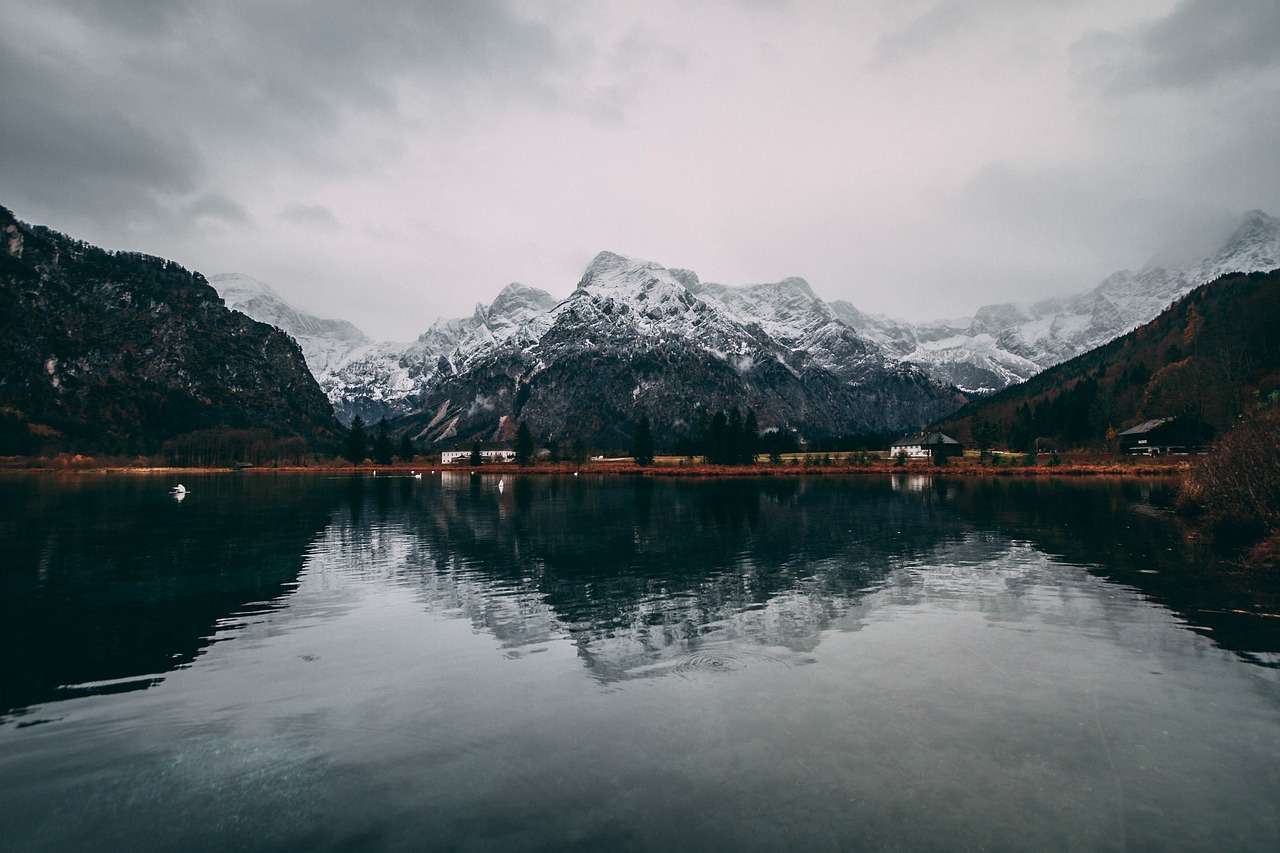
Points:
[(1159, 436), (490, 451), (932, 445)]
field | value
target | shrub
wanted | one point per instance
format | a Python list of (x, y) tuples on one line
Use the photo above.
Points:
[(1237, 484)]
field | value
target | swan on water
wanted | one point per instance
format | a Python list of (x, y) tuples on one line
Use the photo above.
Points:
[(179, 489), (500, 484)]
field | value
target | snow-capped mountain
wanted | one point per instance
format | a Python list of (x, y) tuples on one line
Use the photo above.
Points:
[(1007, 343), (325, 343), (635, 338), (371, 378)]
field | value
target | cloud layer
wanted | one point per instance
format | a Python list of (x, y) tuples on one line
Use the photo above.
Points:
[(393, 161)]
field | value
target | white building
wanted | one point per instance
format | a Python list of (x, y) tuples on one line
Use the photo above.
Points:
[(489, 452), (934, 445)]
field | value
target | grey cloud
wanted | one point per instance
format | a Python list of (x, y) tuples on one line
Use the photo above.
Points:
[(63, 142), (311, 216), (1060, 213), (168, 86), (923, 33), (1200, 43), (216, 206)]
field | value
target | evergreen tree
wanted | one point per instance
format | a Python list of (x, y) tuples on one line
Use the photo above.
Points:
[(733, 443), (642, 449), (356, 446), (383, 449), (717, 439), (524, 445), (477, 458), (406, 453), (985, 434), (750, 438)]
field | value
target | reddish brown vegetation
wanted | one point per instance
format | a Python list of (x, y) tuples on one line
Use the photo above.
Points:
[(1237, 486)]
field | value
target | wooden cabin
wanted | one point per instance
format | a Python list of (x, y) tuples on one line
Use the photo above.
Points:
[(1159, 436)]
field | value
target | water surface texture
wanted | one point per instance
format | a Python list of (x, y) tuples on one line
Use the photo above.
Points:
[(378, 663)]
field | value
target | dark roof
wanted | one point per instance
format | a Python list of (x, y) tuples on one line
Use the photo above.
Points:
[(484, 445), (924, 439), (1146, 426)]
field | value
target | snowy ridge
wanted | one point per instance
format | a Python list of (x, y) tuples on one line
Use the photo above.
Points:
[(1007, 343), (635, 336), (629, 311), (325, 343)]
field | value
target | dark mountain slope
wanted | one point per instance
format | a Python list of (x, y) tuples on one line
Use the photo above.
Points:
[(1208, 356), (115, 352)]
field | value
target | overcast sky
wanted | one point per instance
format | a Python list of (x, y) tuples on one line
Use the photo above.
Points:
[(394, 161)]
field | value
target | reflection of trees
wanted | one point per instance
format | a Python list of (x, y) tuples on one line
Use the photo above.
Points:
[(633, 572), (111, 580), (641, 574), (1122, 530)]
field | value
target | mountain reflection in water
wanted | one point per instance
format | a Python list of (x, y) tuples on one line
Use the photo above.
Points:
[(111, 583), (313, 662)]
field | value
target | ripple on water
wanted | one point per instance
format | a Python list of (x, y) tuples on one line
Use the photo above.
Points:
[(719, 660)]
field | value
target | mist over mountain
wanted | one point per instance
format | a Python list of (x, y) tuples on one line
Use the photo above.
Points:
[(1006, 343), (1209, 358)]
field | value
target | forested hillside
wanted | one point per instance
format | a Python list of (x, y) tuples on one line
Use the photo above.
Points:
[(114, 352), (1210, 356)]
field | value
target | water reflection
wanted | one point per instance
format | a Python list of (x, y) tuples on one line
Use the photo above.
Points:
[(109, 583), (843, 663), (112, 583), (647, 576)]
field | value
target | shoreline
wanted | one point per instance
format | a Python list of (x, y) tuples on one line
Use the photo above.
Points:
[(663, 470)]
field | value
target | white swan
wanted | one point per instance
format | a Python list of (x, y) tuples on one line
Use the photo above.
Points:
[(417, 476), (499, 484), (179, 489)]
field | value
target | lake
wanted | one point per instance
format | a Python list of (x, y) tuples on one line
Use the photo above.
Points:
[(306, 662)]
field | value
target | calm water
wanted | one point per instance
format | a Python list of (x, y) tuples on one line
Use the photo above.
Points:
[(299, 663)]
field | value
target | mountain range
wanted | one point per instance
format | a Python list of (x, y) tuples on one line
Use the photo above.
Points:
[(1209, 358), (635, 336), (632, 337), (1007, 343)]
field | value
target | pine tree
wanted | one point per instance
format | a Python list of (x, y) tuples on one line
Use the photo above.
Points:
[(733, 445), (406, 452), (750, 438), (383, 449), (717, 439), (642, 449), (357, 443), (524, 445), (477, 458)]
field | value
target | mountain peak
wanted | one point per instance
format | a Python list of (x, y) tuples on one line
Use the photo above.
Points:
[(236, 288), (608, 268)]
